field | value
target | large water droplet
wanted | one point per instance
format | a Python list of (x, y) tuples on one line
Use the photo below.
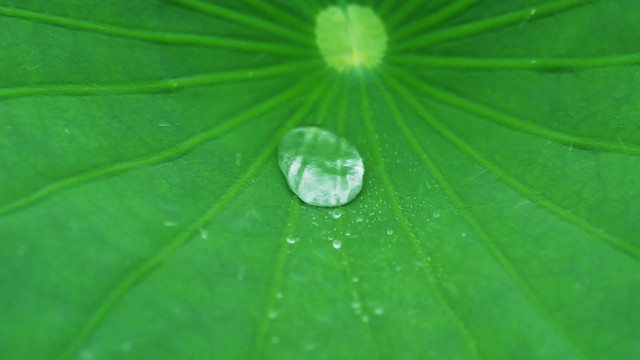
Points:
[(322, 168)]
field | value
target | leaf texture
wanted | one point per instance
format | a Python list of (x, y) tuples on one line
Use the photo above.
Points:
[(143, 214)]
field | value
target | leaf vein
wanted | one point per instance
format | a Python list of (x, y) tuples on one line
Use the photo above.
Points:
[(156, 158), (145, 268), (529, 193), (406, 225), (481, 26), (244, 19), (156, 86), (533, 63), (468, 216), (163, 38), (513, 122)]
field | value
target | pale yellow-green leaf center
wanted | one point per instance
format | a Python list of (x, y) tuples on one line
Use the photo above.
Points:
[(350, 37)]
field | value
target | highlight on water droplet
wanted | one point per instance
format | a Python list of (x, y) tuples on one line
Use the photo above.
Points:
[(291, 240), (322, 168), (350, 36)]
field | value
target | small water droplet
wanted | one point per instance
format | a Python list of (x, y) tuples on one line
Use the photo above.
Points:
[(436, 214), (238, 159), (355, 305), (169, 223), (86, 355), (355, 279), (365, 318), (272, 314), (389, 231), (275, 339), (347, 233), (464, 234), (359, 219), (279, 295), (292, 240), (378, 311), (322, 168), (204, 234), (336, 213), (337, 244)]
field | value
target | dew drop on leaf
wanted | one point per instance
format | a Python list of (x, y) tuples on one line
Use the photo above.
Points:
[(291, 240), (322, 168), (272, 314)]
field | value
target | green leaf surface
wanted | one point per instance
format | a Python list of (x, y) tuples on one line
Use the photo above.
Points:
[(143, 214)]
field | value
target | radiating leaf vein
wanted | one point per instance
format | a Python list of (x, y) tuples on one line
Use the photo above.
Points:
[(279, 16), (513, 122), (159, 157), (531, 63), (407, 227), (244, 19), (158, 86), (145, 268), (506, 264), (482, 26), (428, 21), (158, 37), (524, 189)]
